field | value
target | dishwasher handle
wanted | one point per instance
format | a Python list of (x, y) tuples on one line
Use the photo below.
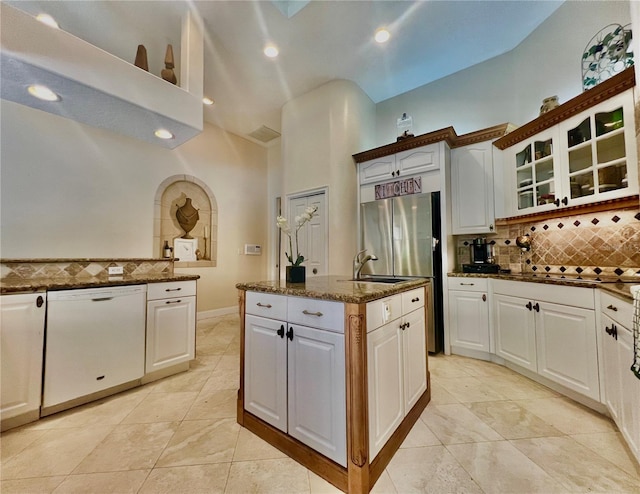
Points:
[(101, 299)]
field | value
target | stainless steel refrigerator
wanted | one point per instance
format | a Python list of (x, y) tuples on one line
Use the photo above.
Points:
[(403, 233)]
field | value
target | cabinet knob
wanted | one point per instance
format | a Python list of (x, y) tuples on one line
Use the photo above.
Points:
[(536, 307), (529, 306), (39, 301), (615, 331), (612, 307), (491, 228), (290, 333), (280, 332), (484, 297), (557, 203), (565, 200), (315, 270)]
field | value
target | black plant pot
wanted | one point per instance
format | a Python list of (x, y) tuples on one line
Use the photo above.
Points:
[(296, 274)]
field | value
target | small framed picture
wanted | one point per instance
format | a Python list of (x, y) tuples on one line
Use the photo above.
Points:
[(184, 249)]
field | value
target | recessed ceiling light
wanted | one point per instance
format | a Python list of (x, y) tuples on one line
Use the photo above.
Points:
[(207, 101), (382, 35), (271, 51), (43, 93), (163, 134), (48, 20)]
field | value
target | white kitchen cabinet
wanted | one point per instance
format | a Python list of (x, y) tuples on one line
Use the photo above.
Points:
[(469, 314), (396, 361), (621, 386), (586, 158), (472, 192), (537, 324), (171, 324), (294, 374), (404, 164), (22, 319)]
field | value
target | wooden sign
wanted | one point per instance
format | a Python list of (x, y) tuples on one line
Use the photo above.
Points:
[(399, 188)]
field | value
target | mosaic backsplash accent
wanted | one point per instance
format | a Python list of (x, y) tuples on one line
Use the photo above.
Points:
[(597, 244), (69, 268)]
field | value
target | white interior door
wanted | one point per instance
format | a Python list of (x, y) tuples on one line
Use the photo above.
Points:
[(312, 237)]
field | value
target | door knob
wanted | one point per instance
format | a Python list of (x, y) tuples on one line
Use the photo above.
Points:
[(315, 270)]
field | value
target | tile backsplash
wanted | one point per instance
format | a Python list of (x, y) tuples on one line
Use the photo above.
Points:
[(79, 268), (602, 243)]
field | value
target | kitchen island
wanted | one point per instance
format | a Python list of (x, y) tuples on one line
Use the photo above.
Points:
[(334, 373)]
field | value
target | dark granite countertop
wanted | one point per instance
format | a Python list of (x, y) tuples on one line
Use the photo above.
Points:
[(333, 287), (617, 286), (16, 285)]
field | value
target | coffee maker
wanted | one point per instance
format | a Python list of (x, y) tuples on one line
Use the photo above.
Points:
[(481, 257)]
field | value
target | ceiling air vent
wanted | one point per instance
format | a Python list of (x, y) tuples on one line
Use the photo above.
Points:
[(264, 134)]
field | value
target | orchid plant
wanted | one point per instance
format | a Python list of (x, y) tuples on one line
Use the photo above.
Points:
[(283, 224)]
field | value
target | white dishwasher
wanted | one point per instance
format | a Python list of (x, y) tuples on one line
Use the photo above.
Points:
[(95, 339)]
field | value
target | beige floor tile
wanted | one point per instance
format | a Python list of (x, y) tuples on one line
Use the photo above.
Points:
[(611, 446), (440, 396), (568, 416), (14, 441), (268, 477), (514, 387), (195, 479), (129, 447), (498, 467), (469, 389), (103, 483), (204, 363), (226, 375), (234, 347), (420, 436), (161, 407), (576, 466), (477, 368), (39, 485), (185, 381), (201, 441), (446, 367), (318, 485), (384, 485), (430, 469), (512, 421), (111, 410), (57, 452), (251, 447), (457, 424), (214, 404)]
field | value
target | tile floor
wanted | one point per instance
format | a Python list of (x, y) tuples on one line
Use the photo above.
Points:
[(486, 430)]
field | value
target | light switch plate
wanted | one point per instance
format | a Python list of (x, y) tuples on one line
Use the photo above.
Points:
[(115, 270)]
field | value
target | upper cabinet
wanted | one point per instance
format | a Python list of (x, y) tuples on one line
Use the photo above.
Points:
[(579, 153), (403, 164)]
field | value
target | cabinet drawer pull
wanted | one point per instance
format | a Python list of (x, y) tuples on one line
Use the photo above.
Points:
[(417, 299), (173, 301), (103, 299), (266, 306), (307, 313), (173, 289), (467, 284), (612, 307)]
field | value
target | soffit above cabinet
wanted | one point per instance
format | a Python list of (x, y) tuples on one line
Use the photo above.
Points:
[(97, 88)]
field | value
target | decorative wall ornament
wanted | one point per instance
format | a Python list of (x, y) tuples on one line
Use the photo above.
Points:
[(141, 58), (187, 217), (167, 73), (607, 54)]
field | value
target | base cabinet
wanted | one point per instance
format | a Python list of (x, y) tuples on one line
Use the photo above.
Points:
[(171, 324), (469, 314), (621, 386), (22, 339), (555, 340), (396, 361), (294, 375)]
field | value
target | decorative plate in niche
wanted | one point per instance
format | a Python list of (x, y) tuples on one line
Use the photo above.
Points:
[(608, 53)]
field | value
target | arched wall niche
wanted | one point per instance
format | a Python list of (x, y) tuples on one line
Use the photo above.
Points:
[(171, 194)]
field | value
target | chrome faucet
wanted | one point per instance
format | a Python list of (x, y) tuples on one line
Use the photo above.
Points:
[(359, 262)]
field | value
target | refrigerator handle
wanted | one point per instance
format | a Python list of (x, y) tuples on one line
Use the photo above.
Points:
[(435, 242)]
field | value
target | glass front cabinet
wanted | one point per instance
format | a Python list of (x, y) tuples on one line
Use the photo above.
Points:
[(587, 158)]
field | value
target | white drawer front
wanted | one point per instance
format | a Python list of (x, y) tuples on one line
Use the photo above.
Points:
[(469, 284), (412, 300), (266, 305), (617, 309), (171, 289), (322, 314), (382, 311)]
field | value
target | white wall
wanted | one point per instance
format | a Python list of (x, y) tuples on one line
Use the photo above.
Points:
[(511, 87), (74, 191), (321, 130)]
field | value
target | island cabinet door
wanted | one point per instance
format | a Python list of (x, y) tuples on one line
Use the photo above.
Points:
[(385, 384), (515, 331), (414, 349), (265, 370), (317, 403)]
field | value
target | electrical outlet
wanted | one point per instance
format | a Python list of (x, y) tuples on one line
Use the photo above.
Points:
[(116, 270)]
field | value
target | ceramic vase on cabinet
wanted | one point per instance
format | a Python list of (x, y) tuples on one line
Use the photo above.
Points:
[(296, 274)]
